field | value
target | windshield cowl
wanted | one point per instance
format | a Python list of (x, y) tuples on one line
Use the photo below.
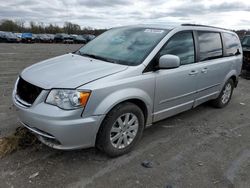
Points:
[(96, 57)]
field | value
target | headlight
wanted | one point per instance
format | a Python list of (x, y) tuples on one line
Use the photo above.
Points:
[(68, 99)]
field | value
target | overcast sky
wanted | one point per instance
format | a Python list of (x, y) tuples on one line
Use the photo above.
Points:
[(230, 14)]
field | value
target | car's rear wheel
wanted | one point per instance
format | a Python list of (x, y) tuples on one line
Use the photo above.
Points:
[(121, 129), (225, 95)]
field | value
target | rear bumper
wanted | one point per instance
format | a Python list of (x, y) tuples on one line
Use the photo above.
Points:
[(59, 128)]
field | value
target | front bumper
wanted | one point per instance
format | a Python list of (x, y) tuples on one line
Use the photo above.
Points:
[(57, 128)]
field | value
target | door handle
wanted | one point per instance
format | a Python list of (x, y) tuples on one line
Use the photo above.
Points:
[(204, 70), (193, 72)]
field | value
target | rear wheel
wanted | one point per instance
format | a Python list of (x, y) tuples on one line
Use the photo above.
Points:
[(225, 95), (121, 129)]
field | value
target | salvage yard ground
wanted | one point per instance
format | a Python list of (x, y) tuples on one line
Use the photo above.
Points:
[(204, 147)]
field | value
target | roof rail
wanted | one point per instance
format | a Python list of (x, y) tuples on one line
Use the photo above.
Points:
[(199, 25)]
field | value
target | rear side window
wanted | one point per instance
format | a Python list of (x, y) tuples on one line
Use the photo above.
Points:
[(210, 45), (232, 44), (181, 45)]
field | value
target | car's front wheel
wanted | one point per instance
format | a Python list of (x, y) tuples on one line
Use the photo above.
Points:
[(121, 129)]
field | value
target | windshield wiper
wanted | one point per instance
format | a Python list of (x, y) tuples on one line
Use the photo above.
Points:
[(87, 55), (97, 57)]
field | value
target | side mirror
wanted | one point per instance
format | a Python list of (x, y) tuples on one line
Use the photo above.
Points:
[(238, 52), (169, 62)]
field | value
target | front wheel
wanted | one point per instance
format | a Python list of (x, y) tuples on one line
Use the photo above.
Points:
[(121, 129), (225, 95)]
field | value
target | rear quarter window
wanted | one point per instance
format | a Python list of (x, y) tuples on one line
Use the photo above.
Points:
[(210, 45), (232, 44)]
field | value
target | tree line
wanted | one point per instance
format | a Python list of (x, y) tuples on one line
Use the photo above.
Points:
[(20, 26)]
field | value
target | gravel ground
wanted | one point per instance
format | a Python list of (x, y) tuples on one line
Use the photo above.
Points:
[(203, 147)]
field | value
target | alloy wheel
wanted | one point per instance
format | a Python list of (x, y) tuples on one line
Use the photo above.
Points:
[(124, 130), (226, 93)]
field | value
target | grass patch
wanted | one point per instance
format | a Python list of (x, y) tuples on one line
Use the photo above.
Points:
[(21, 139)]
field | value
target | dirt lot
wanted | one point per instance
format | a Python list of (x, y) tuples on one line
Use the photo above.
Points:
[(204, 147)]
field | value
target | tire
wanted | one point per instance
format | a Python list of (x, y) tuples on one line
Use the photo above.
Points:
[(113, 129), (225, 95)]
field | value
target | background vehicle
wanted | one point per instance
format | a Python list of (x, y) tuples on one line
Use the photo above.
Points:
[(1, 36), (51, 37), (63, 38), (11, 37), (88, 37), (19, 37), (8, 37), (44, 38), (246, 53), (78, 39), (106, 93), (68, 40), (27, 38), (59, 37), (35, 37)]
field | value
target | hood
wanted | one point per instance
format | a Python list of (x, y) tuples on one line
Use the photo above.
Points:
[(68, 71)]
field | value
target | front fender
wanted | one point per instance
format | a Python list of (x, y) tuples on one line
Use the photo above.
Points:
[(111, 100)]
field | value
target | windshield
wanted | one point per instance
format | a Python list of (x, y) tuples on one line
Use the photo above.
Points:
[(127, 46), (246, 41)]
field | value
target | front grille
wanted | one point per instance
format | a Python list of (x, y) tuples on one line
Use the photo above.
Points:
[(27, 92)]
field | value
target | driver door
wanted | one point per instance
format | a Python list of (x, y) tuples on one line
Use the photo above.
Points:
[(175, 89)]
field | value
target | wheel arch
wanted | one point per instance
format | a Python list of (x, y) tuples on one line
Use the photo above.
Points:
[(141, 104), (134, 95), (235, 80), (231, 75)]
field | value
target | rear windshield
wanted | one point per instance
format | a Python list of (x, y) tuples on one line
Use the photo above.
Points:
[(127, 46)]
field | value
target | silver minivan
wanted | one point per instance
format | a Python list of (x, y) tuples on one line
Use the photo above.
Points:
[(108, 91)]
